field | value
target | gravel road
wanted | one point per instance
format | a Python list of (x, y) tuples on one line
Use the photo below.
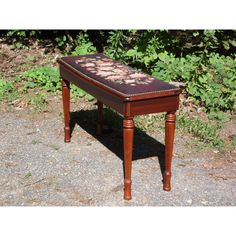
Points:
[(38, 169)]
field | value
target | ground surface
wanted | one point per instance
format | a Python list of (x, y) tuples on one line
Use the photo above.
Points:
[(38, 169)]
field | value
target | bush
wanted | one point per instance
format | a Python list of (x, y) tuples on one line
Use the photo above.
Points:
[(203, 59), (48, 78), (83, 45), (45, 77), (187, 56), (211, 83), (19, 38), (5, 88)]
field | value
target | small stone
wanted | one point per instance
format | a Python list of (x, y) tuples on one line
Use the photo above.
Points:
[(216, 151), (204, 202), (199, 109), (189, 201)]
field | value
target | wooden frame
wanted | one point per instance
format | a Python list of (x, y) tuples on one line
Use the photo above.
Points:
[(128, 106)]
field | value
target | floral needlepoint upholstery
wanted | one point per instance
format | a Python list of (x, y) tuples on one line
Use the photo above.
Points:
[(116, 75)]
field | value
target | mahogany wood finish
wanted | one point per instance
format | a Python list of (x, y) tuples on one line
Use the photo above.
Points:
[(169, 140), (128, 129), (130, 97), (66, 107)]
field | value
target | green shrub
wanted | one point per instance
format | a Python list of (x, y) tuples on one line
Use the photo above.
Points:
[(45, 77), (48, 78), (19, 38), (186, 56), (116, 47), (211, 83), (79, 44), (5, 88), (83, 45), (139, 48), (62, 41), (203, 59)]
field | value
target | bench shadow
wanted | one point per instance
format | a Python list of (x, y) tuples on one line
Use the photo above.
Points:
[(144, 145)]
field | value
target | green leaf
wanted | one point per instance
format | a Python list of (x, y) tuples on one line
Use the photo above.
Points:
[(131, 53), (226, 45), (233, 42)]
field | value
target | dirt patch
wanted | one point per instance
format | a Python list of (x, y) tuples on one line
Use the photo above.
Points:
[(229, 129), (222, 166), (118, 188), (77, 196), (14, 62)]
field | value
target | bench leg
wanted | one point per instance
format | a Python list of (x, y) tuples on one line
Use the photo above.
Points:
[(100, 118), (169, 141), (128, 131), (66, 108)]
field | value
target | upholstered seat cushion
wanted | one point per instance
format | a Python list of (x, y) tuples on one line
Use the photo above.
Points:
[(117, 76)]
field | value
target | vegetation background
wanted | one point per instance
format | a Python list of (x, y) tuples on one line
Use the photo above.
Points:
[(202, 62)]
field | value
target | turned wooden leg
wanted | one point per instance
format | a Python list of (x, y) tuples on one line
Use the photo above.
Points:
[(128, 129), (169, 141), (100, 118), (66, 108)]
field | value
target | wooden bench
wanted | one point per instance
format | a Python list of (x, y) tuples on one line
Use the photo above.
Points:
[(128, 91)]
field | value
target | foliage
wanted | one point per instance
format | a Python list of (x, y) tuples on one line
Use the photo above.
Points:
[(62, 41), (210, 77), (211, 83), (47, 78), (132, 47), (116, 49), (203, 59), (118, 42), (39, 101), (83, 45), (5, 88), (8, 92), (145, 45), (78, 44), (18, 38), (205, 131)]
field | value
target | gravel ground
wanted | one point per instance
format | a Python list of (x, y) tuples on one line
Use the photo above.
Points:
[(38, 169)]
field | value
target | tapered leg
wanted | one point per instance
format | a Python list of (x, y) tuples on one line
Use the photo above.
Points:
[(128, 129), (66, 108), (100, 118), (169, 141)]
